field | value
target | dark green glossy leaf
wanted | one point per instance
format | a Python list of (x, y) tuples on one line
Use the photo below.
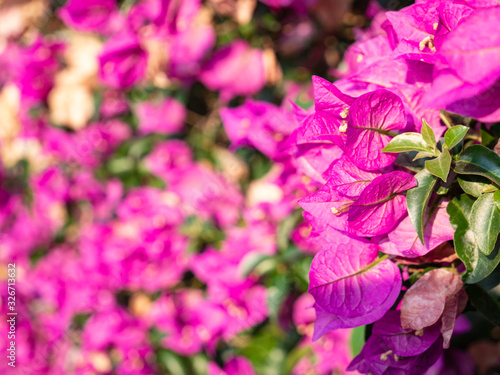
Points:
[(407, 142), (440, 166), (454, 135), (486, 138), (417, 199), (405, 159), (475, 185), (445, 186), (485, 222), (428, 134), (481, 161), (478, 265), (485, 296)]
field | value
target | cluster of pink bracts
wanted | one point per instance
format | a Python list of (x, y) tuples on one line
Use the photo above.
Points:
[(112, 273)]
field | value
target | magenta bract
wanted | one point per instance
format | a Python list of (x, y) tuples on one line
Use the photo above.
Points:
[(348, 290), (372, 118)]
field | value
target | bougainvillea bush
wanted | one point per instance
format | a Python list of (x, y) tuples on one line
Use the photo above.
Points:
[(249, 187)]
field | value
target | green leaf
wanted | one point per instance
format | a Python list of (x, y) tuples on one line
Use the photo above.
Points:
[(258, 347), (485, 222), (174, 363), (486, 138), (199, 363), (478, 265), (454, 135), (428, 134), (407, 142), (251, 261), (424, 154), (277, 293), (440, 166), (476, 185), (405, 159), (417, 199), (443, 190), (485, 297), (294, 356), (358, 340), (496, 197), (481, 161)]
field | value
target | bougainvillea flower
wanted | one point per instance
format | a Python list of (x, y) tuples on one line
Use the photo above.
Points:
[(244, 305), (452, 361), (320, 361), (88, 15), (362, 54), (238, 297), (164, 117), (33, 68), (115, 327), (424, 303), (321, 234), (315, 162), (404, 342), (168, 158), (259, 124), (377, 209), (154, 14), (349, 179), (394, 350), (114, 103), (454, 306), (320, 127), (471, 61), (372, 117), (439, 296), (469, 85), (329, 98), (415, 24), (385, 73), (380, 205), (122, 62), (189, 321), (332, 201), (413, 100), (377, 359), (327, 123), (480, 100), (404, 240), (303, 236), (348, 288), (225, 70), (451, 14), (412, 51), (188, 49), (161, 18), (205, 193)]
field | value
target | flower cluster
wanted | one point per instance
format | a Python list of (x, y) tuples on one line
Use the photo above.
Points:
[(142, 245), (175, 176), (406, 67)]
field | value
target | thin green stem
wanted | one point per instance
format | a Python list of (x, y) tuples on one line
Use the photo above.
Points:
[(446, 120), (373, 264)]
